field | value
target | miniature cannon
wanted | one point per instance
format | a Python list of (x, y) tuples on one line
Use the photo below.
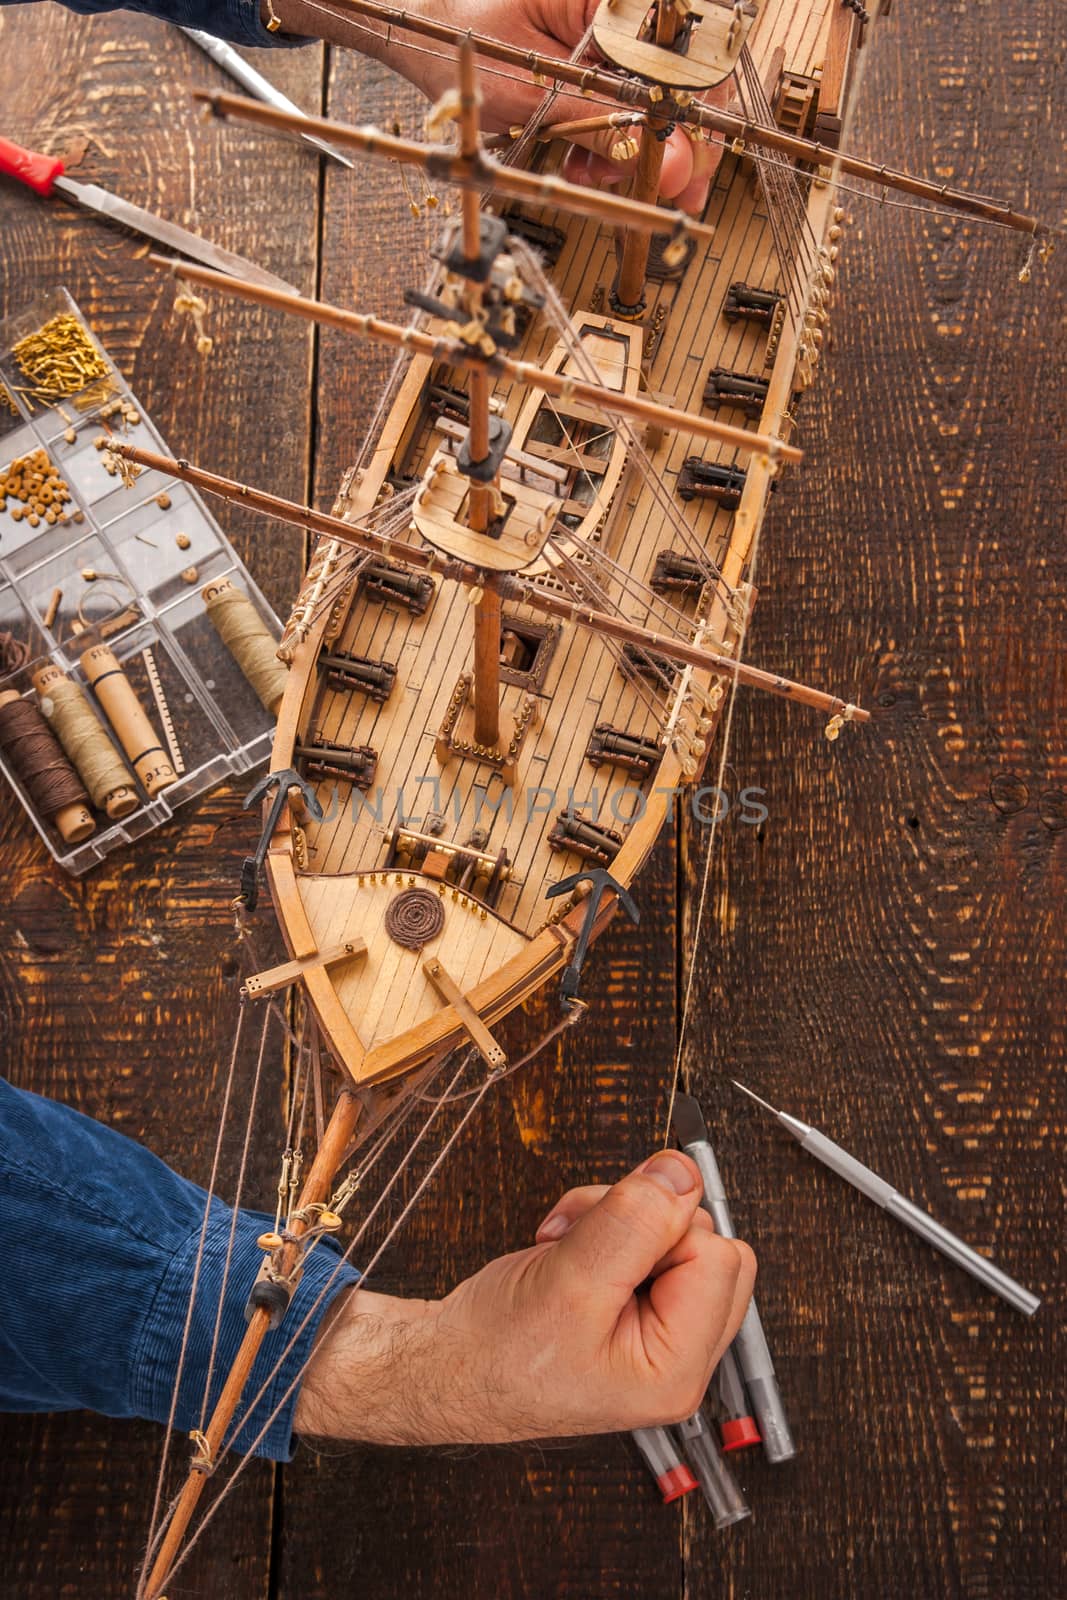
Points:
[(649, 663), (711, 480), (677, 574), (590, 840), (444, 401), (354, 764), (758, 305), (546, 240), (739, 389), (384, 581), (375, 679), (617, 748)]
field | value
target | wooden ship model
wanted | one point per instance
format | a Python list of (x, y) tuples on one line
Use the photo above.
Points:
[(525, 616)]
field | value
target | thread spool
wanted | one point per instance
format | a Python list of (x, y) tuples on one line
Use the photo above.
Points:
[(248, 639), (126, 715), (44, 771), (71, 717)]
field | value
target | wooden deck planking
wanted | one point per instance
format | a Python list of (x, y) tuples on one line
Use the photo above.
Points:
[(584, 684)]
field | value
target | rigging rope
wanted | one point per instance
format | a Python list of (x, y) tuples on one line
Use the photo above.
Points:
[(239, 1190), (369, 1267), (556, 315), (155, 1533)]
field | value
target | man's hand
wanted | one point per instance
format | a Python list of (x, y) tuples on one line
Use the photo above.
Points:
[(549, 27), (614, 1319)]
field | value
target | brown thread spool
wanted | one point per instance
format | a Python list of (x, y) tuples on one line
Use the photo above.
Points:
[(48, 777), (248, 639), (90, 750), (126, 715)]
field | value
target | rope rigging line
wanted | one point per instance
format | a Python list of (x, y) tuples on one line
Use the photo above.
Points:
[(156, 1536), (394, 1229), (155, 1528), (238, 1191), (794, 236), (558, 319), (658, 609), (582, 585), (832, 180), (709, 848)]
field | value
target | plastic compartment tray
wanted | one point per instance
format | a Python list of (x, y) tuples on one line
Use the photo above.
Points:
[(121, 560)]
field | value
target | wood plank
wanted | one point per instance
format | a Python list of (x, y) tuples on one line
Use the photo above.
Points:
[(932, 1467), (884, 951), (96, 975)]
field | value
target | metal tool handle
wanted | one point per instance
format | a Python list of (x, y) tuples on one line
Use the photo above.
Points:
[(755, 1361), (714, 1200), (847, 1167), (962, 1254), (36, 171), (240, 70), (750, 1343), (724, 1499)]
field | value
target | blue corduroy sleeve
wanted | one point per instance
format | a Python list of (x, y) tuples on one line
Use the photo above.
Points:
[(100, 1240), (236, 20)]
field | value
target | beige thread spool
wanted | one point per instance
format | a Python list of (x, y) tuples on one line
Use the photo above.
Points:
[(248, 639), (88, 747), (126, 715), (73, 822)]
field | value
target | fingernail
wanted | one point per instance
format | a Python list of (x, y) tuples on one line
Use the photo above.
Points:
[(670, 1172), (554, 1227)]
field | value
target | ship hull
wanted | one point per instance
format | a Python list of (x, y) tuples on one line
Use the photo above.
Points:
[(432, 827)]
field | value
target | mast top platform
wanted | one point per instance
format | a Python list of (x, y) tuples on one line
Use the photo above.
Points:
[(706, 36)]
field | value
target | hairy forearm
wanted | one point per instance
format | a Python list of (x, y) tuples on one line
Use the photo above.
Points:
[(367, 1378)]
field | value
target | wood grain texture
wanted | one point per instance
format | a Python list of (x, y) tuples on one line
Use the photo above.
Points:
[(884, 956), (887, 952), (117, 994)]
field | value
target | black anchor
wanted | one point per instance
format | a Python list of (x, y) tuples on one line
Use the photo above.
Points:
[(285, 780), (600, 880)]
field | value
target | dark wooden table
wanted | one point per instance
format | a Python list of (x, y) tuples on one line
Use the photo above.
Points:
[(886, 951)]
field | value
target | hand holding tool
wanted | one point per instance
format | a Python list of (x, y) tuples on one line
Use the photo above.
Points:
[(750, 1344), (45, 176), (883, 1194)]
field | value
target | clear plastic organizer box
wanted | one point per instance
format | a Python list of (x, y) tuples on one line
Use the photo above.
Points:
[(123, 566)]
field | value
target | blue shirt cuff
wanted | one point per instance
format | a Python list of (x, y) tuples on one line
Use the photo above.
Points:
[(156, 1361), (237, 21)]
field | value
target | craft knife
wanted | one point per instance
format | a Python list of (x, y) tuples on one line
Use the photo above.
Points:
[(884, 1195), (45, 175), (750, 1343), (241, 71)]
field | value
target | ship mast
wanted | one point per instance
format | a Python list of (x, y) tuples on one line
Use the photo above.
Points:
[(687, 46), (628, 295), (483, 497)]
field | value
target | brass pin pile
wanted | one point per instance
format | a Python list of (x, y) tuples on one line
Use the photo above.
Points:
[(6, 402), (61, 359), (35, 481)]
